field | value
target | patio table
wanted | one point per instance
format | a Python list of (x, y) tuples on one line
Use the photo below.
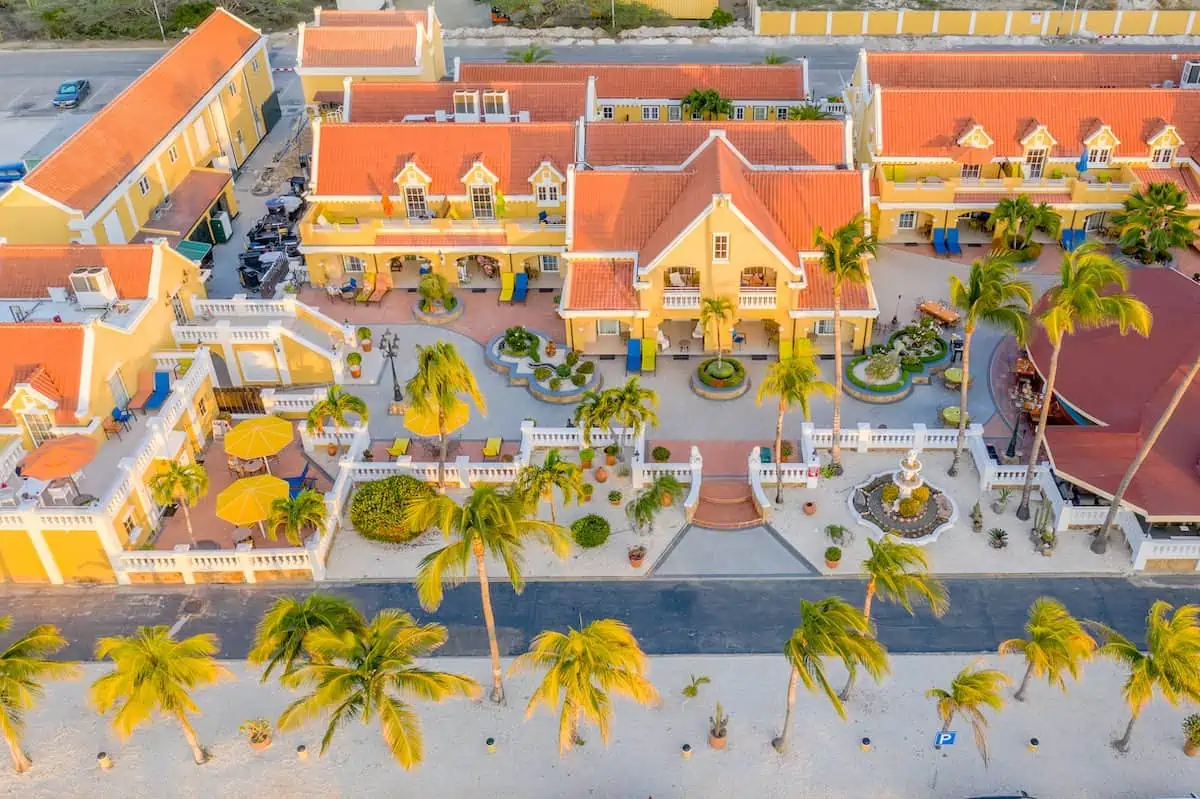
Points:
[(947, 316)]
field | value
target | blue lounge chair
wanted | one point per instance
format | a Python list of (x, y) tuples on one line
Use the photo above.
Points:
[(162, 388), (520, 287), (939, 240), (952, 241), (633, 356), (297, 484), (121, 416), (764, 454)]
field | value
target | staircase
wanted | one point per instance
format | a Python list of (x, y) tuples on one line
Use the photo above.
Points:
[(726, 505)]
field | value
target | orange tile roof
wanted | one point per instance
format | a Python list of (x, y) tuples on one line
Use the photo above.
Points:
[(818, 296), (359, 47), (619, 211), (929, 122), (391, 102), (1183, 177), (27, 271), (87, 166), (1036, 69), (601, 286), (361, 159), (670, 143), (442, 240), (993, 197), (47, 356), (330, 18), (784, 82)]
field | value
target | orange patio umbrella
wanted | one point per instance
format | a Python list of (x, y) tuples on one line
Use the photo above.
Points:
[(60, 457)]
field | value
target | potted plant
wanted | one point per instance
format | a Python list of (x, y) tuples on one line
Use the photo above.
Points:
[(785, 451), (354, 361), (977, 518), (1191, 735), (833, 556), (997, 538), (610, 454), (614, 498), (364, 338), (551, 348), (660, 454), (601, 474), (668, 488), (636, 556), (586, 455), (810, 508), (718, 726), (587, 490), (258, 731), (838, 535), (1001, 503)]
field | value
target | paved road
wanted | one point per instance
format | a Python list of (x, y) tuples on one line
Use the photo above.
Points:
[(668, 616)]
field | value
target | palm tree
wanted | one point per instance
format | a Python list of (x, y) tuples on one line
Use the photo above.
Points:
[(359, 675), (296, 514), (24, 666), (182, 484), (973, 690), (1154, 222), (776, 58), (993, 296), (536, 483), (1021, 218), (333, 407), (844, 256), (899, 572), (1100, 542), (152, 672), (1170, 663), (806, 113), (718, 311), (490, 522), (793, 380), (1056, 643), (582, 668), (1083, 297), (830, 627), (533, 54), (280, 637), (629, 406), (706, 104), (442, 378)]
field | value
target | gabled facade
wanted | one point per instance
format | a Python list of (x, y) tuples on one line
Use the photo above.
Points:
[(443, 101), (367, 46), (157, 159)]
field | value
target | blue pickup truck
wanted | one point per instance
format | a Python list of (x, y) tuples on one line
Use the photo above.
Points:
[(11, 173)]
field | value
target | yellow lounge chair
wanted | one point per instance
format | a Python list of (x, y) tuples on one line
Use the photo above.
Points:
[(491, 448), (399, 448), (785, 348), (508, 282), (649, 354)]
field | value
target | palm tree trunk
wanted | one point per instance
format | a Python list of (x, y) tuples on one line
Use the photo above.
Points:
[(780, 743), (845, 693), (1040, 436), (837, 377), (21, 762), (489, 621), (187, 520), (779, 454), (198, 754), (1100, 542), (441, 451), (1122, 743), (1020, 694), (962, 401), (553, 518)]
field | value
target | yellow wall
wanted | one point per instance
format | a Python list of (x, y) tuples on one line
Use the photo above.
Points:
[(28, 219), (19, 561), (236, 363), (242, 109), (312, 84), (986, 23), (685, 9), (80, 556), (305, 365)]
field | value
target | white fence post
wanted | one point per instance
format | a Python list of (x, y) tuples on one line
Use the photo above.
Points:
[(864, 437), (243, 551), (462, 465), (184, 563), (918, 436)]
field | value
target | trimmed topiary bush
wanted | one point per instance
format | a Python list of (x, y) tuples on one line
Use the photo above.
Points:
[(590, 531), (578, 380), (660, 454), (542, 373), (921, 493), (586, 368), (562, 370), (890, 492), (726, 374), (910, 506), (572, 358), (555, 383), (377, 508)]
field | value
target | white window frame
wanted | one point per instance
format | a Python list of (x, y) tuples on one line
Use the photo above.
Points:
[(233, 89), (143, 185), (696, 116), (475, 195), (781, 112), (650, 113), (760, 113), (739, 112), (241, 139), (1162, 156), (971, 172), (1036, 160), (1191, 74), (42, 431), (608, 327), (607, 112), (353, 265), (674, 113), (469, 102), (824, 327), (494, 97), (416, 204), (172, 154), (254, 65), (1099, 156), (720, 248), (907, 220), (549, 264), (548, 194)]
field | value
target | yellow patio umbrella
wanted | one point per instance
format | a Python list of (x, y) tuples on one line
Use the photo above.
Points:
[(425, 424), (248, 501), (258, 438)]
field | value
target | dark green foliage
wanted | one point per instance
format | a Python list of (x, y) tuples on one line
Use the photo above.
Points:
[(590, 531), (377, 508)]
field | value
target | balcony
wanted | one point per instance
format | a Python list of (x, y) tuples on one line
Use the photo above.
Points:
[(1096, 186), (368, 231), (675, 299), (757, 299)]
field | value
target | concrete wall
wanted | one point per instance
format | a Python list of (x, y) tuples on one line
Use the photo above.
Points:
[(975, 23)]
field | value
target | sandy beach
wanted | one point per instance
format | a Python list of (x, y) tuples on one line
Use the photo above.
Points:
[(643, 760)]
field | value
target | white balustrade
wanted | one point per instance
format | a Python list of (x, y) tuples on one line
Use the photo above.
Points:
[(275, 401), (12, 454), (677, 299), (756, 298)]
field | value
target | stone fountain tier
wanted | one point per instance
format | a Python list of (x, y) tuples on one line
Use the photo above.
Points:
[(908, 479)]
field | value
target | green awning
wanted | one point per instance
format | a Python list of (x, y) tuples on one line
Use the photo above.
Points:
[(193, 250)]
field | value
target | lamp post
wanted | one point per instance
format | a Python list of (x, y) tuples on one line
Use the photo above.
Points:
[(389, 347), (1011, 452)]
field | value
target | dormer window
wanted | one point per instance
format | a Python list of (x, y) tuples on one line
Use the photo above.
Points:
[(1162, 156), (466, 103), (1099, 156), (414, 202), (482, 204), (1035, 162), (547, 194), (495, 103)]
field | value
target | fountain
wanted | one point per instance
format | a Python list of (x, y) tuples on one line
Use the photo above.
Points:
[(902, 504), (908, 479)]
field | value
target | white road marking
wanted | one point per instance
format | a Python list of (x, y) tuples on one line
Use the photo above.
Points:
[(177, 626), (16, 100)]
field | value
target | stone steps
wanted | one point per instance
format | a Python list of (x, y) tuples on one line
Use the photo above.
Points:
[(726, 505)]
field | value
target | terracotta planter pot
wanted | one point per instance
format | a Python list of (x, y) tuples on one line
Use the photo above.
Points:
[(832, 564), (551, 348), (356, 371), (810, 508), (636, 559), (1190, 749), (331, 450), (585, 464), (667, 500), (260, 745), (717, 743), (601, 474), (616, 503), (610, 459)]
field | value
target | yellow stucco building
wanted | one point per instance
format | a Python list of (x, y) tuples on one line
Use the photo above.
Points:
[(156, 160)]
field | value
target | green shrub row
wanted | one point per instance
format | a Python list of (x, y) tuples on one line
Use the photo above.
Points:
[(884, 388)]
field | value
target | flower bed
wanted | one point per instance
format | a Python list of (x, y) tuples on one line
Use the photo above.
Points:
[(720, 380), (439, 313), (533, 360)]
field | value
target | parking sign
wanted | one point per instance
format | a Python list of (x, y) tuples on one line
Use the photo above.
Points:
[(944, 738)]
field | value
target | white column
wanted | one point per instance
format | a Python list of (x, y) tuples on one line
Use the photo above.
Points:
[(828, 23), (184, 563), (863, 443), (937, 18), (792, 22), (43, 550), (1117, 22), (971, 25), (243, 551), (461, 465), (919, 433), (900, 22), (314, 555), (1008, 23)]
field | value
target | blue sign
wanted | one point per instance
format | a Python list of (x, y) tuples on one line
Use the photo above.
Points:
[(944, 738)]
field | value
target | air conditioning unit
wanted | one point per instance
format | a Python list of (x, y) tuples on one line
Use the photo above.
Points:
[(93, 287), (1191, 75)]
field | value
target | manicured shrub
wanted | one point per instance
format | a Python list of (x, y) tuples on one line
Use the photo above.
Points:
[(833, 554), (727, 374), (572, 358), (660, 454), (578, 380), (354, 359), (555, 383), (542, 373), (911, 363), (562, 370), (377, 508), (921, 493), (910, 506), (890, 492), (590, 531), (586, 368), (519, 341), (881, 366)]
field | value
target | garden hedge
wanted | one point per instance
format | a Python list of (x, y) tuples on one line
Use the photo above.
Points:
[(879, 388), (377, 508), (738, 377)]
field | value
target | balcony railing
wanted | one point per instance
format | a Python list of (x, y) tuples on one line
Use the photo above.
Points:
[(677, 299), (756, 298)]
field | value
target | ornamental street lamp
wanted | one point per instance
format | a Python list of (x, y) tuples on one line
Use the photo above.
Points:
[(389, 347)]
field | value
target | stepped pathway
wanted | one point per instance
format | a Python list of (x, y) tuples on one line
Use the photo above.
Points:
[(726, 505)]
